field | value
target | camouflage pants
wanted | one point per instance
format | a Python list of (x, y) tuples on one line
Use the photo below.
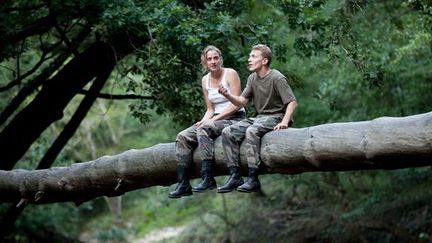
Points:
[(251, 129), (203, 138)]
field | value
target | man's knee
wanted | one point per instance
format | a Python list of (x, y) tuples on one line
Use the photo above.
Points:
[(226, 132), (252, 131)]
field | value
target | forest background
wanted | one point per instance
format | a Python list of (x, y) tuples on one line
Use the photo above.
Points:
[(347, 61)]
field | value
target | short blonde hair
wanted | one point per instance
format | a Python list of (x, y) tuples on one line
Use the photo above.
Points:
[(204, 55), (265, 52)]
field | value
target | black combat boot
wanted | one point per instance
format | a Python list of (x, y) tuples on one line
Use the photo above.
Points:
[(183, 187), (208, 182), (233, 181), (252, 184)]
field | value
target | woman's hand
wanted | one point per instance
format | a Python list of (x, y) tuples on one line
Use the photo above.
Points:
[(200, 123)]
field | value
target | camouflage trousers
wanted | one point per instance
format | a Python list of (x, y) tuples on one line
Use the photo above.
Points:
[(203, 138), (251, 129)]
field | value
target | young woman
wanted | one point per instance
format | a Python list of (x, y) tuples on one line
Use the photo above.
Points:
[(220, 113)]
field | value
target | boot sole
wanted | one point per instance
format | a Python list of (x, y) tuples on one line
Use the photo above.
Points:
[(247, 191), (201, 191), (225, 191), (229, 190), (184, 195)]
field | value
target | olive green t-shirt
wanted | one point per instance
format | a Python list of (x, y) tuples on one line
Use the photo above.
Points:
[(271, 94)]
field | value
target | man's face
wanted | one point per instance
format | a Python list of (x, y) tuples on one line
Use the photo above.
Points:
[(255, 60), (213, 60)]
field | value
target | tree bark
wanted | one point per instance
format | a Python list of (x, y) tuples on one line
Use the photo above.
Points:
[(383, 143)]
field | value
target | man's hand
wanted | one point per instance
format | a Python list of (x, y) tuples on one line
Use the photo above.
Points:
[(222, 90), (280, 126)]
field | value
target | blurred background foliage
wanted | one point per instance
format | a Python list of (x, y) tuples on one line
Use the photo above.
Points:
[(348, 60)]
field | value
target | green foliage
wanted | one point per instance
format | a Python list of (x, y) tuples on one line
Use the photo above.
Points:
[(57, 222), (144, 210), (353, 59), (114, 234)]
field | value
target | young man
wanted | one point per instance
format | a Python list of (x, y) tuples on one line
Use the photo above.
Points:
[(275, 104)]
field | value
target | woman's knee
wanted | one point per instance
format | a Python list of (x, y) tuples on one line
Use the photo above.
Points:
[(181, 136), (206, 127), (202, 130)]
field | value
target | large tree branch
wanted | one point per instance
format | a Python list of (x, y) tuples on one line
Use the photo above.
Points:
[(383, 143)]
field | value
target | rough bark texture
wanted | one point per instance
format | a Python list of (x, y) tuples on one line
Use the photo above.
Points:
[(383, 143)]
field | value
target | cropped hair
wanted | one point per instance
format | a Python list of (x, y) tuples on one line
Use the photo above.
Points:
[(265, 51), (204, 55)]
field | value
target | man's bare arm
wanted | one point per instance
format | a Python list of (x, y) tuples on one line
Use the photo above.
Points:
[(239, 101), (291, 107)]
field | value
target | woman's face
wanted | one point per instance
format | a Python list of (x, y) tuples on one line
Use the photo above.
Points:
[(213, 60)]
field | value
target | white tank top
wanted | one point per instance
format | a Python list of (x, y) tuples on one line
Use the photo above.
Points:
[(220, 103)]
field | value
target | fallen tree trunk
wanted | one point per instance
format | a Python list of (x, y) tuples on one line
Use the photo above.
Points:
[(383, 143)]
